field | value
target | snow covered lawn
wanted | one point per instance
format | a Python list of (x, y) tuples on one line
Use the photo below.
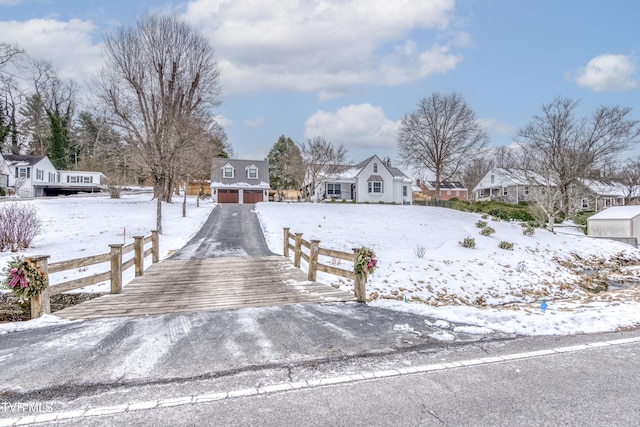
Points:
[(485, 286), (488, 287)]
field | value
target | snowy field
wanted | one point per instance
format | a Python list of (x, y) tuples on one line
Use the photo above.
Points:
[(488, 287), (485, 286)]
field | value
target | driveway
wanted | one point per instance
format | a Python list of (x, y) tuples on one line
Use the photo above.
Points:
[(230, 231)]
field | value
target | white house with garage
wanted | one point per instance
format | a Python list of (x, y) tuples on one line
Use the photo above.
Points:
[(35, 176), (370, 181), (239, 181)]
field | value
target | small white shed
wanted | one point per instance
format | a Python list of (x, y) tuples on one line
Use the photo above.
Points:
[(618, 221)]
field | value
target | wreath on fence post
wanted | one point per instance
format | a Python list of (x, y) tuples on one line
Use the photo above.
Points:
[(366, 262), (24, 279)]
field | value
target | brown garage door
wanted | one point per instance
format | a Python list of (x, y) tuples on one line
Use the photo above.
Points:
[(228, 196), (252, 196)]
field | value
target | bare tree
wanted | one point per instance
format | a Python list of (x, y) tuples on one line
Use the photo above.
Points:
[(440, 136), (473, 171), (159, 79), (570, 147), (628, 175), (323, 162)]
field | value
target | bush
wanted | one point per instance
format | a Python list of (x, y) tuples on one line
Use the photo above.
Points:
[(114, 190), (487, 231), (506, 245), (332, 201), (528, 230), (481, 224), (381, 202), (343, 201), (581, 217), (468, 242), (19, 224), (420, 251), (2, 192)]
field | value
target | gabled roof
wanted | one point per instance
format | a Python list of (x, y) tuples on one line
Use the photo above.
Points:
[(446, 185), (19, 160), (240, 178), (602, 188)]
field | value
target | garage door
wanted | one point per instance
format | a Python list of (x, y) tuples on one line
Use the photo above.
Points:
[(252, 196), (228, 196)]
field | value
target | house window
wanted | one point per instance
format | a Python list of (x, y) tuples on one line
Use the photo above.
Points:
[(23, 172), (448, 192), (375, 168), (493, 178), (227, 172), (585, 203), (505, 191), (333, 189), (252, 172), (72, 179), (404, 191), (52, 177), (526, 190), (87, 179), (39, 175), (608, 202), (480, 193), (376, 187)]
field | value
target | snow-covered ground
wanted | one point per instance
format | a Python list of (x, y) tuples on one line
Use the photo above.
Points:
[(486, 286)]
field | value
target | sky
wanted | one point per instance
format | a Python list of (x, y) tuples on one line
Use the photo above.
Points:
[(350, 70), (487, 288)]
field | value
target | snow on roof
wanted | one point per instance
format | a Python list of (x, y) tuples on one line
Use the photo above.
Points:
[(617, 212), (605, 189)]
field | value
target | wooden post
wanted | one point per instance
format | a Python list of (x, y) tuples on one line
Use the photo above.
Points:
[(297, 250), (285, 249), (155, 246), (41, 304), (359, 284), (313, 260), (116, 268), (138, 250)]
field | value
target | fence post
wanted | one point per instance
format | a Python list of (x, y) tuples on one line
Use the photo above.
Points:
[(138, 250), (155, 246), (359, 284), (297, 250), (41, 304), (285, 249), (116, 268), (313, 259)]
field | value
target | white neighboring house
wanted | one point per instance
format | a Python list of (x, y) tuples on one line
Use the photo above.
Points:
[(239, 181), (4, 173), (35, 176), (369, 181)]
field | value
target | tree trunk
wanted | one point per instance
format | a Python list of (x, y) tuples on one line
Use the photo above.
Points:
[(159, 215)]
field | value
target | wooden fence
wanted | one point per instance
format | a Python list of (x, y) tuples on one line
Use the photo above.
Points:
[(41, 304), (314, 250)]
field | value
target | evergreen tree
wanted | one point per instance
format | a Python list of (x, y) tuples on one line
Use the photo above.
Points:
[(286, 168)]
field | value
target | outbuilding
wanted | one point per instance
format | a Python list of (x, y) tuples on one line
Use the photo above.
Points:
[(619, 222), (239, 181)]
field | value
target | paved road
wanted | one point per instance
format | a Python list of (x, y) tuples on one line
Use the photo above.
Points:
[(230, 231)]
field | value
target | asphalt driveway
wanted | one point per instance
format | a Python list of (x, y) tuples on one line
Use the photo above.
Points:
[(230, 231)]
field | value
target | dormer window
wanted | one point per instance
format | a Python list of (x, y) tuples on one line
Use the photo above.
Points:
[(227, 171), (252, 172)]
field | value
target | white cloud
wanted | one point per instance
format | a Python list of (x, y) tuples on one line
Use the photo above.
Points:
[(256, 122), (609, 72), (496, 126), (223, 121), (326, 46), (362, 125), (67, 45), (9, 2)]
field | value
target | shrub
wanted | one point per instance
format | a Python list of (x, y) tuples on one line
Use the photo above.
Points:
[(468, 242), (354, 201), (19, 224), (381, 202), (506, 245), (2, 192), (528, 230), (343, 201), (581, 217), (420, 251), (484, 216), (487, 231), (481, 224), (114, 190)]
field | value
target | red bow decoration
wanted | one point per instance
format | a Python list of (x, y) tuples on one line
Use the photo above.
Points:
[(18, 278)]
